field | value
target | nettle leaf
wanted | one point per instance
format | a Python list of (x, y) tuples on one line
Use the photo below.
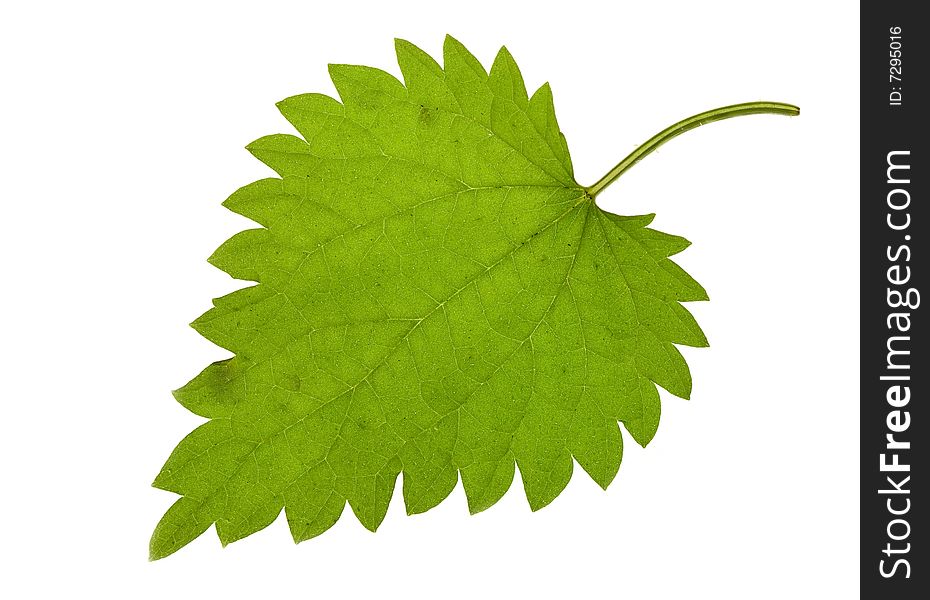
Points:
[(436, 296)]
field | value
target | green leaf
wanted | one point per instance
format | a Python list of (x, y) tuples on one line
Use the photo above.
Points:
[(436, 296)]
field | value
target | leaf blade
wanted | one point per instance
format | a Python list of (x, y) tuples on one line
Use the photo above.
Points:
[(435, 296)]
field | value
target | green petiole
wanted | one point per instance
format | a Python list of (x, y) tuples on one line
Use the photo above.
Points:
[(717, 114)]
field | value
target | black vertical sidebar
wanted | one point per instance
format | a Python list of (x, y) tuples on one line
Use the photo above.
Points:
[(894, 266)]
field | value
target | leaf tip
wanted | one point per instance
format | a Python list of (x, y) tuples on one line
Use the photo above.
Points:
[(413, 509), (156, 550), (337, 69), (537, 505), (253, 147), (334, 70), (372, 527), (503, 54), (215, 258), (477, 505), (450, 42)]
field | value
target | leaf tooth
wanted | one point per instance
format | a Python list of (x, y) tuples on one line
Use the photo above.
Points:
[(505, 78), (411, 59), (668, 320), (564, 142), (687, 288), (255, 201), (543, 483), (672, 373), (662, 243), (213, 393), (642, 411), (429, 474), (285, 154), (258, 255), (310, 114), (181, 524), (247, 513), (371, 510), (424, 78), (360, 87), (245, 255), (247, 308), (690, 333), (312, 505), (543, 98), (594, 439), (542, 114), (630, 223), (485, 483), (459, 62), (212, 445)]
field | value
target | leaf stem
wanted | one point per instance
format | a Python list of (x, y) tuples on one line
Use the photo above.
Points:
[(717, 114)]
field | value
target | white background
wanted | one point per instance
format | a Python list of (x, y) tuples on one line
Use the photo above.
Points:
[(121, 131)]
